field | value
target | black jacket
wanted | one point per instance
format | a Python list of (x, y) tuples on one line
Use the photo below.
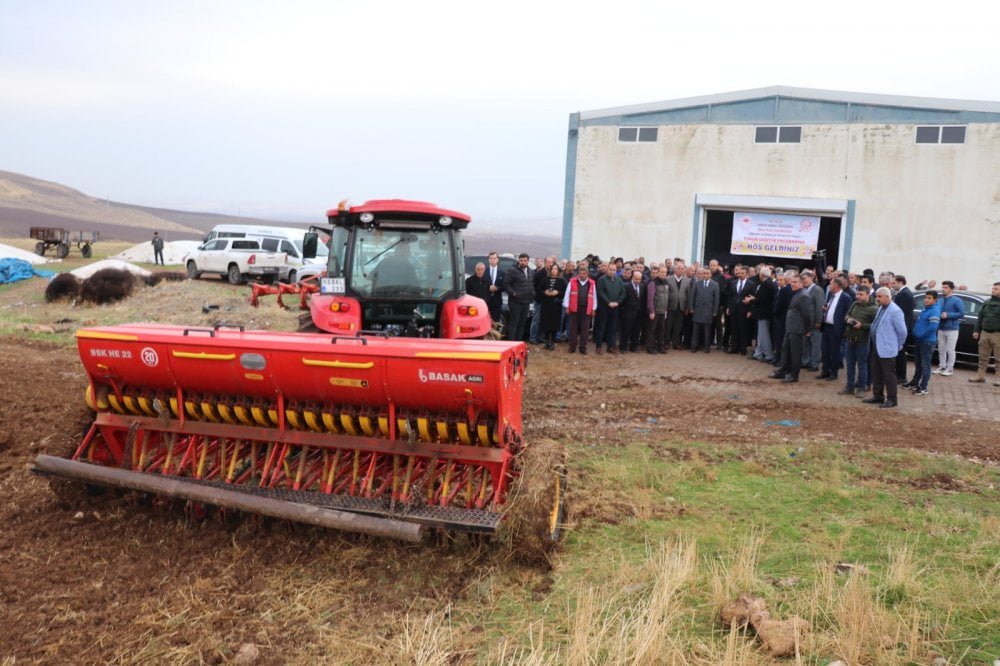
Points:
[(904, 299), (633, 306), (520, 288), (478, 286), (762, 306)]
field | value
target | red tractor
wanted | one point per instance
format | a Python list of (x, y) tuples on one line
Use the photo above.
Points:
[(396, 268), (390, 436)]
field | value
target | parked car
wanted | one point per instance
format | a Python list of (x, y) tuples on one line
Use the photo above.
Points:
[(274, 239), (967, 349), (235, 259)]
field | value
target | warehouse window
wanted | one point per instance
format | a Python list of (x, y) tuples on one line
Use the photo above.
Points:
[(941, 134), (640, 134), (953, 134), (784, 134)]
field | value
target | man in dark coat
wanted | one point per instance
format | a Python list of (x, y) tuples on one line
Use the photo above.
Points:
[(610, 293), (781, 300), (762, 308), (838, 302), (904, 299), (719, 277), (799, 323), (477, 284), (704, 305), (519, 284), (632, 312), (742, 289)]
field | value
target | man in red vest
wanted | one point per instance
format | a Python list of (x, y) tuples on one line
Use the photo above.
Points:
[(580, 302)]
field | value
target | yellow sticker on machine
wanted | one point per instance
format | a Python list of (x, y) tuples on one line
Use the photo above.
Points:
[(346, 381)]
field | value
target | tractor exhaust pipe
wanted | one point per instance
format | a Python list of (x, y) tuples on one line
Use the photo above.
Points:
[(230, 499)]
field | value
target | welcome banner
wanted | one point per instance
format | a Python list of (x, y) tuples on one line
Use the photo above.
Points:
[(774, 235)]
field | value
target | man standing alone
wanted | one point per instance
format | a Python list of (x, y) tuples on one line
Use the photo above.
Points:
[(157, 249)]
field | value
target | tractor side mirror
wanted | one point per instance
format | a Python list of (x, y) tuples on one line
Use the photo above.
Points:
[(309, 245)]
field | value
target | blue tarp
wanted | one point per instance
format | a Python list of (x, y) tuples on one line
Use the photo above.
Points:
[(12, 270)]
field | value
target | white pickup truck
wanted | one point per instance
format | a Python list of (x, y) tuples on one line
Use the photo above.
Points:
[(235, 259)]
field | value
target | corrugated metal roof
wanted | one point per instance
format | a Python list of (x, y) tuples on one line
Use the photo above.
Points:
[(809, 94)]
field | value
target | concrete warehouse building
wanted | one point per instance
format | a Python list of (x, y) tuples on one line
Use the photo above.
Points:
[(906, 184)]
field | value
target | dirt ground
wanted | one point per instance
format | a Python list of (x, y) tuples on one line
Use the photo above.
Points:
[(112, 581)]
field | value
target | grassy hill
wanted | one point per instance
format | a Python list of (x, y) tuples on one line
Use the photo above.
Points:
[(27, 202)]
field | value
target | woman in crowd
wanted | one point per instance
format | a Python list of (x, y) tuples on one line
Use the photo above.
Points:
[(550, 296)]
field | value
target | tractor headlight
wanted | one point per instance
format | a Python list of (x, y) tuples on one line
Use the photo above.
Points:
[(367, 218), (445, 221)]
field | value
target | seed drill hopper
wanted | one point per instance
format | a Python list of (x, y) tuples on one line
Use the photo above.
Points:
[(379, 435)]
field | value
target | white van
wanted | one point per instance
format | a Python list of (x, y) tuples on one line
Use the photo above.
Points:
[(273, 239)]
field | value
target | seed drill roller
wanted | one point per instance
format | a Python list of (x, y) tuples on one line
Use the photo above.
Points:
[(379, 435)]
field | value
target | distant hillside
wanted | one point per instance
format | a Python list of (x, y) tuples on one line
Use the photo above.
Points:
[(27, 202)]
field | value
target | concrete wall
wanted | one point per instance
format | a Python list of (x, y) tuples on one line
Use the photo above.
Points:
[(924, 210)]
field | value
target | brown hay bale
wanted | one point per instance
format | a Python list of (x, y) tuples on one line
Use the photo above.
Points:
[(527, 526), (107, 285), (164, 276), (64, 285)]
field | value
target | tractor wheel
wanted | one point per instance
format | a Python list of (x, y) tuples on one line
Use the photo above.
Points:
[(86, 251), (62, 250), (233, 274), (40, 249), (192, 271)]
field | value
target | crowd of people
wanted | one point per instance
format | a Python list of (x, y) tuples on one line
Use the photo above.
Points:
[(840, 324)]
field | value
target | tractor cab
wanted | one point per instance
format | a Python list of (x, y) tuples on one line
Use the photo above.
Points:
[(395, 267)]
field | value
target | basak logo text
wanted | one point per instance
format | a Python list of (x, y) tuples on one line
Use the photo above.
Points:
[(460, 377)]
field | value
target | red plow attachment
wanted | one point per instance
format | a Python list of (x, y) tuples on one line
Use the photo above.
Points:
[(376, 435)]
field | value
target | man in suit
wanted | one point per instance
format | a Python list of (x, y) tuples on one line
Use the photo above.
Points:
[(813, 348), (832, 328), (477, 284), (799, 326), (742, 291), (704, 305), (679, 294), (904, 299), (495, 276), (632, 312), (762, 309), (519, 284), (886, 339), (719, 277), (781, 300)]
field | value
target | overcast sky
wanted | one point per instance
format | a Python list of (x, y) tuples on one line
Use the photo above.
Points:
[(287, 107)]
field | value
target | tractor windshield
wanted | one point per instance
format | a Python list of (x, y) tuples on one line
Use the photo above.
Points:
[(392, 263)]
